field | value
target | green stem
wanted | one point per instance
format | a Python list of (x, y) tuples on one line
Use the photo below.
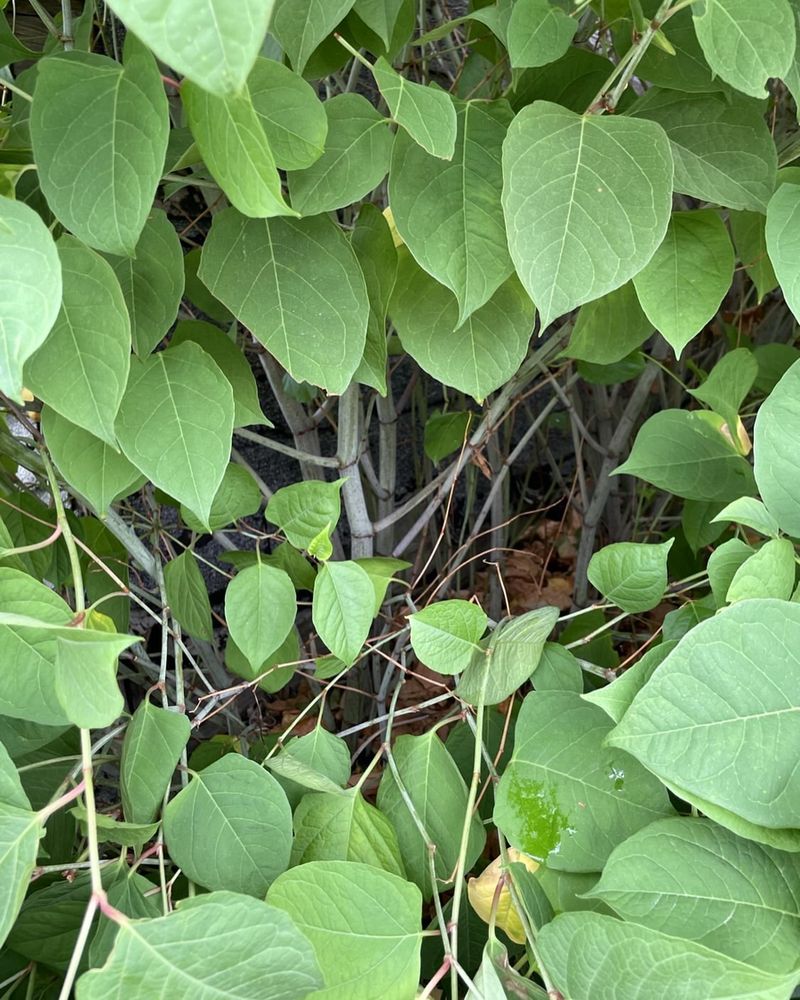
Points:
[(66, 25)]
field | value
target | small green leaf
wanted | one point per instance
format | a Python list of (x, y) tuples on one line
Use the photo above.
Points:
[(342, 608), (231, 827), (750, 512), (238, 496), (320, 753), (445, 635), (213, 44), (382, 571), (769, 572), (631, 575), (110, 830), (291, 114), (20, 830), (151, 749), (750, 238), (275, 671), (538, 33), (175, 424), (32, 290), (691, 272), (777, 433), (99, 132), (86, 676), (187, 595), (608, 329), (445, 433), (303, 510), (301, 25), (723, 563), (427, 114), (355, 160), (727, 386), (562, 174), (260, 608), (374, 247)]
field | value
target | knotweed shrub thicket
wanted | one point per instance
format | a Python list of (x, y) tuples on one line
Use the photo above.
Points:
[(399, 499)]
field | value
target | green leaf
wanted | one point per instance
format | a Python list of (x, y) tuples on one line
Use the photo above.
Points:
[(374, 247), (31, 290), (477, 357), (235, 149), (512, 655), (355, 160), (565, 797), (445, 635), (231, 827), (301, 25), (449, 214), (99, 132), (93, 468), (152, 281), (777, 433), (212, 43), (587, 202), (750, 512), (343, 826), (259, 268), (238, 496), (82, 368), (318, 753), (86, 676), (445, 433), (615, 698), (363, 923), (127, 894), (750, 894), (727, 386), (295, 772), (260, 608), (197, 293), (437, 790), (631, 575), (11, 790), (608, 329), (175, 424), (683, 285), (686, 69), (722, 149), (427, 114), (686, 455), (232, 363), (342, 608), (558, 670), (303, 510), (749, 236), (538, 33), (496, 978), (275, 671), (380, 16), (110, 830), (745, 46), (291, 114), (769, 572), (187, 595), (783, 213), (20, 830), (733, 676), (381, 570), (577, 948), (223, 937), (154, 741), (723, 563)]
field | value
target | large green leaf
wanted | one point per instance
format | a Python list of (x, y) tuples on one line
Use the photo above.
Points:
[(746, 45), (231, 827), (363, 923), (20, 830), (437, 790), (342, 608), (449, 213), (343, 826), (749, 236), (260, 270), (777, 434), (220, 944), (152, 281), (81, 370), (427, 114), (175, 424), (151, 749), (728, 384), (631, 575), (260, 608), (683, 285), (445, 635), (317, 753), (292, 116), (609, 328), (693, 879), (235, 149), (783, 243), (723, 150), (300, 26), (89, 465), (586, 200), (31, 289), (187, 595), (99, 131), (356, 158), (580, 950), (538, 33), (212, 43), (615, 698), (719, 717), (476, 357), (565, 797), (687, 455)]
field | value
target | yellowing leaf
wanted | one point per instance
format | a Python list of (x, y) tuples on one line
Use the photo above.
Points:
[(481, 891)]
